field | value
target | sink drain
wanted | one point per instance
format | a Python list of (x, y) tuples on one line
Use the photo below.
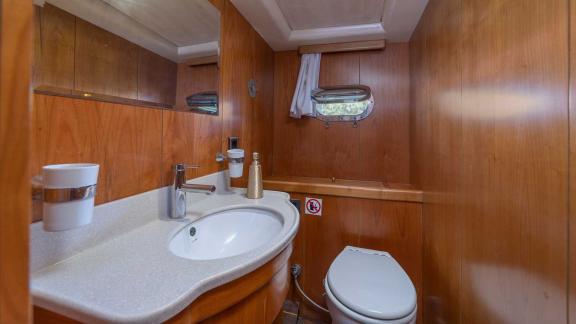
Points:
[(192, 231)]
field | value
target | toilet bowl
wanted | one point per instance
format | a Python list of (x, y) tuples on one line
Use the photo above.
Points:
[(369, 286)]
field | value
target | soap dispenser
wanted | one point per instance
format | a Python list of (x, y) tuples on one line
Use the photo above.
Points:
[(255, 190)]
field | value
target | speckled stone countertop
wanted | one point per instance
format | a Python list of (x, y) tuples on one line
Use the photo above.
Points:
[(131, 276)]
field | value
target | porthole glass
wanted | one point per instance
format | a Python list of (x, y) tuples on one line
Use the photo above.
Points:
[(343, 103)]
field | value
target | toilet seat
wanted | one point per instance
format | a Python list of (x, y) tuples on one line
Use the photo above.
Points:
[(370, 286)]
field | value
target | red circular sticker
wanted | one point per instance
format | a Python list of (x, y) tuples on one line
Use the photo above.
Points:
[(313, 206)]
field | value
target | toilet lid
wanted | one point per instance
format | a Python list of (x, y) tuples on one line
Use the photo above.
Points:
[(372, 284)]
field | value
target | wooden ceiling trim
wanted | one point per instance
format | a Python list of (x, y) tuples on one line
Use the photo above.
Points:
[(343, 47)]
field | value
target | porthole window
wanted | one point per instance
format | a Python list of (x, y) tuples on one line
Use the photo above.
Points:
[(343, 103)]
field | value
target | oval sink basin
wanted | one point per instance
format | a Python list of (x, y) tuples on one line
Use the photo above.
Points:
[(227, 233)]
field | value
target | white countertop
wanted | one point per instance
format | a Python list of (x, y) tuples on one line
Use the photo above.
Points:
[(132, 277)]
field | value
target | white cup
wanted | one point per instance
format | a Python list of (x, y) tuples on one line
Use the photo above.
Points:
[(235, 162), (65, 215)]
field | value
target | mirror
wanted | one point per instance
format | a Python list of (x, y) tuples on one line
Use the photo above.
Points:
[(141, 52), (343, 103)]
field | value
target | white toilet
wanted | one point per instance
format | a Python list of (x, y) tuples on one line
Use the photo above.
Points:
[(368, 286)]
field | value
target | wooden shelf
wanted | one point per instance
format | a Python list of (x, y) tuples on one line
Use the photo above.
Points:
[(344, 188), (60, 92)]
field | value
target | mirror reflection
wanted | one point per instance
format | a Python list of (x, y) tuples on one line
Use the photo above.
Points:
[(154, 53)]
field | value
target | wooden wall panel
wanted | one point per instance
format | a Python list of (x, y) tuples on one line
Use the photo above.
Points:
[(245, 56), (55, 37), (378, 149), (124, 140), (16, 19), (190, 138), (133, 150), (237, 60), (156, 78), (489, 98), (68, 130), (572, 168), (395, 227), (441, 158), (112, 72), (262, 140)]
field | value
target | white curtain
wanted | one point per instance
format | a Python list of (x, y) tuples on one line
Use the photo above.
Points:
[(307, 81)]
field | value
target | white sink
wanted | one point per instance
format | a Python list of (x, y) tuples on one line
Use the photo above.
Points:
[(226, 233)]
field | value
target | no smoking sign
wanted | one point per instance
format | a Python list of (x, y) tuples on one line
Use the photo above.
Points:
[(313, 206)]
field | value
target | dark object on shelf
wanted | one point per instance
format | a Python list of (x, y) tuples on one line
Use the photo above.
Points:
[(203, 102)]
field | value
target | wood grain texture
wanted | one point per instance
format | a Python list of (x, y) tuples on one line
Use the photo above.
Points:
[(378, 150), (156, 78), (16, 28), (73, 57), (190, 138), (214, 59), (245, 56), (489, 95), (572, 170), (237, 59), (105, 63), (395, 227), (252, 298), (263, 104), (133, 150), (342, 188), (125, 141), (68, 93), (68, 130), (343, 47), (55, 39)]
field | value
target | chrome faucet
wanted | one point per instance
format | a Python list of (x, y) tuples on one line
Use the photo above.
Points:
[(180, 187)]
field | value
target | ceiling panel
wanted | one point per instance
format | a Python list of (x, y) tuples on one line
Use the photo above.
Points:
[(310, 14), (183, 22)]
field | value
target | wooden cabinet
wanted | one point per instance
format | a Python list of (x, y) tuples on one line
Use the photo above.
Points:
[(73, 57)]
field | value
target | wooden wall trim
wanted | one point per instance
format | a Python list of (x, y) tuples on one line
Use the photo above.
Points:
[(15, 74), (76, 94), (202, 60), (342, 188), (343, 47)]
